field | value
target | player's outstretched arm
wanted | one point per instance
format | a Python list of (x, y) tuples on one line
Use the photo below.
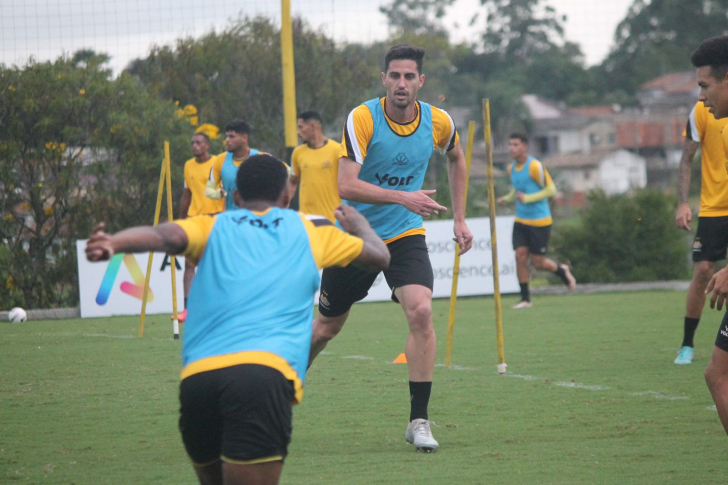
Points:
[(457, 176), (351, 188), (169, 238), (684, 215), (374, 255)]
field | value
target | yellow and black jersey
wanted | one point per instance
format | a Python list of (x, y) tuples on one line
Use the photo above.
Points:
[(318, 171), (702, 127), (196, 175), (359, 130), (252, 298)]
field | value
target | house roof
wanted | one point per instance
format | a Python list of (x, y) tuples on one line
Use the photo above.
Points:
[(540, 108), (578, 160), (673, 83)]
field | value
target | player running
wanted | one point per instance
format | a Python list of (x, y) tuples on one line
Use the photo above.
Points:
[(248, 333)]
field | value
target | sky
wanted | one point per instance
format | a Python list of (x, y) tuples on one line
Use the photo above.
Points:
[(126, 29)]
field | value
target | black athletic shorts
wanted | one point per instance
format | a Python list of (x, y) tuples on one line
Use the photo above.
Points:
[(711, 240), (409, 265), (721, 341), (240, 414), (536, 239)]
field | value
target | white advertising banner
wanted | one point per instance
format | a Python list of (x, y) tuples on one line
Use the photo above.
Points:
[(476, 266), (116, 287)]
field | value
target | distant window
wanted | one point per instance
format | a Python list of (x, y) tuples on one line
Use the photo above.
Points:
[(587, 175), (612, 138)]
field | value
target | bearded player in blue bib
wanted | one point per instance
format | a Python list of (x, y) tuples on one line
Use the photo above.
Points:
[(385, 151)]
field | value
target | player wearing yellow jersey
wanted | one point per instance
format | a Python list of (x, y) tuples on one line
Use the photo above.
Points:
[(711, 238), (194, 202), (246, 342), (384, 156), (711, 61), (315, 165), (532, 186)]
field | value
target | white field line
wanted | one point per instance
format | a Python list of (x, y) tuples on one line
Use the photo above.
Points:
[(565, 384)]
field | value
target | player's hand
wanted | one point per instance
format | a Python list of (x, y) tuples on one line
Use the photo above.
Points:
[(351, 219), (99, 246), (719, 286), (422, 204), (463, 237), (520, 196), (683, 216)]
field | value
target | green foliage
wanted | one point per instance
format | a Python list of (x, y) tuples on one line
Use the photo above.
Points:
[(236, 74), (622, 238), (76, 147), (657, 37), (418, 16)]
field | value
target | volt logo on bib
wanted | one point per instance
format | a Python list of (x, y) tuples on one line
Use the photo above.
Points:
[(393, 180)]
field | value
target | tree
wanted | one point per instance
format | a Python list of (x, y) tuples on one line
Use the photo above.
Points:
[(237, 74), (657, 37), (416, 16), (75, 147)]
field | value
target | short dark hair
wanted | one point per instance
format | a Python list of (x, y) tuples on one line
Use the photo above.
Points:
[(405, 52), (712, 52), (238, 126), (519, 136), (311, 115), (203, 135), (261, 177)]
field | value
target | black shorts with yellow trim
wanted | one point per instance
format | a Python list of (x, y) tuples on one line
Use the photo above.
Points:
[(409, 265), (535, 238), (711, 239), (240, 414)]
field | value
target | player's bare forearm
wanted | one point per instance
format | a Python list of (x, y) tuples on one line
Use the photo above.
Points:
[(184, 204), (684, 172), (169, 238), (374, 255), (292, 186), (457, 173), (458, 177), (354, 189)]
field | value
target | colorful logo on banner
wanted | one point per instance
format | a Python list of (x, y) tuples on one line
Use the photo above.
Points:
[(135, 289)]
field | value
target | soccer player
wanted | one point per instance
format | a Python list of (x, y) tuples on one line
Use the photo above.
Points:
[(711, 61), (248, 333), (387, 145), (532, 186), (194, 202), (222, 175), (315, 165), (711, 239)]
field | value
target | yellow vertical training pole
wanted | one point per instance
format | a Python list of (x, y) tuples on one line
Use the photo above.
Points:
[(493, 239), (170, 218), (289, 80), (456, 264), (157, 210)]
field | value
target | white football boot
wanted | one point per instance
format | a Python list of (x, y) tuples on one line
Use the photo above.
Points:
[(419, 434)]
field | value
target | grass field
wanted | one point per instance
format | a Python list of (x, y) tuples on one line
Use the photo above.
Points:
[(591, 396)]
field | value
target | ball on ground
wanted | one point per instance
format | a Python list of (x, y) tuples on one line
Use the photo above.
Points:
[(17, 315)]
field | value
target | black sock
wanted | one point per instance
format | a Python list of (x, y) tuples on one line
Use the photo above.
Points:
[(562, 274), (691, 324), (185, 303), (419, 399), (525, 293)]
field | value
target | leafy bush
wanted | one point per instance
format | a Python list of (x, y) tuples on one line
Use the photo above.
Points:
[(622, 238)]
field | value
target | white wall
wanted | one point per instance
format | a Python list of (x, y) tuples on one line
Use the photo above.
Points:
[(622, 171)]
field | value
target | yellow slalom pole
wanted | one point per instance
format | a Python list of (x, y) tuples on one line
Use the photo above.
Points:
[(456, 264), (170, 218), (493, 239), (151, 255), (289, 80)]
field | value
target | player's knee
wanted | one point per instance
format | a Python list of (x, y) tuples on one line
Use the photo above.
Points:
[(325, 329), (703, 271), (715, 376), (522, 255), (419, 316)]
